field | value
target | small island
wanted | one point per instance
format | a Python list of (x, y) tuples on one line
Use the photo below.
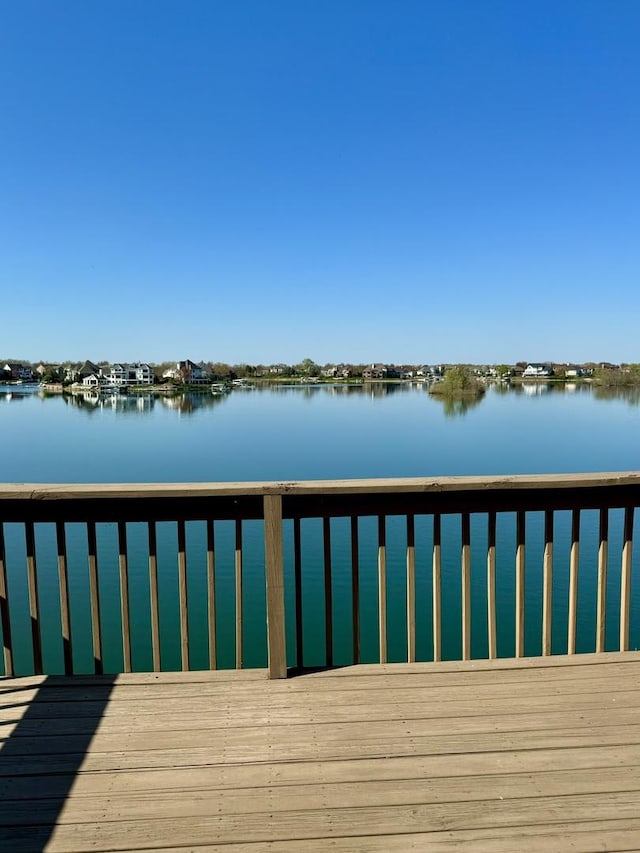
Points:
[(458, 383)]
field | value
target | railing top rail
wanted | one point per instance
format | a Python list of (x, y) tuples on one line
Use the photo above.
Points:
[(405, 485)]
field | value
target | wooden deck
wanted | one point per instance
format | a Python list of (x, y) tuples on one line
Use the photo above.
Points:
[(528, 755)]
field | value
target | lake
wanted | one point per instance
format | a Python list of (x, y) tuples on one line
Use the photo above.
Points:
[(282, 432)]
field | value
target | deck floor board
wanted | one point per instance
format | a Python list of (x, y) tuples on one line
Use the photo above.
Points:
[(535, 754)]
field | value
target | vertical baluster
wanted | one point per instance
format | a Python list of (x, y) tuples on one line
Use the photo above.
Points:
[(123, 564), (520, 563), (465, 565), (63, 581), (153, 595), (491, 585), (94, 595), (182, 596), (274, 576), (5, 620), (603, 554), (238, 577), (625, 579), (34, 611), (297, 569), (211, 595), (574, 561), (355, 588), (382, 587), (437, 588), (547, 582), (328, 588), (411, 589)]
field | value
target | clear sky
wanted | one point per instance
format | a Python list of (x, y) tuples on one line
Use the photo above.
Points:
[(266, 180)]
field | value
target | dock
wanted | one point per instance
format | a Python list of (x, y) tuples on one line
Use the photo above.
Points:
[(529, 754)]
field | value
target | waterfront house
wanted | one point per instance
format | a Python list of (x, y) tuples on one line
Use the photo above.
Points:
[(117, 374), (192, 373), (17, 372), (76, 372), (187, 372), (407, 371), (44, 368), (88, 369), (536, 370), (574, 371), (137, 373), (92, 380), (375, 371), (337, 371)]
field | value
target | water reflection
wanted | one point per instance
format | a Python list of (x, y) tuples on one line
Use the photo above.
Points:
[(630, 394), (13, 393), (501, 388), (311, 390), (536, 389), (189, 404), (539, 389), (457, 407), (91, 401), (142, 404)]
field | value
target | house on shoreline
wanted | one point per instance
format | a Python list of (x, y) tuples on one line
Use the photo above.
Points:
[(119, 374), (16, 372), (537, 370), (187, 372)]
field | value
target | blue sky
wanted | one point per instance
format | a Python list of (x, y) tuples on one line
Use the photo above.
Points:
[(351, 180)]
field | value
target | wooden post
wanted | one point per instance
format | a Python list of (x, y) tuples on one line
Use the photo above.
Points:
[(465, 561), (491, 586), (65, 615), (153, 596), (382, 587), (411, 589), (328, 589), (211, 595), (625, 581), (574, 563), (297, 570), (603, 554), (123, 564), (547, 582), (355, 588), (34, 607), (94, 594), (182, 596), (520, 564), (4, 609), (437, 588), (274, 560), (238, 579)]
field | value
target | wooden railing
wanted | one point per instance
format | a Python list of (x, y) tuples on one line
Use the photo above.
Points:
[(282, 508)]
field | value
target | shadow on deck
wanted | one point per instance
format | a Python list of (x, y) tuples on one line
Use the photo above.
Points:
[(47, 724)]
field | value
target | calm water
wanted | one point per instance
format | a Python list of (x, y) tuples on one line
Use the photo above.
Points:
[(286, 433)]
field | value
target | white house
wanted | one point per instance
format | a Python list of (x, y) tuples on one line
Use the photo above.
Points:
[(92, 380), (536, 369), (188, 373), (130, 374)]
